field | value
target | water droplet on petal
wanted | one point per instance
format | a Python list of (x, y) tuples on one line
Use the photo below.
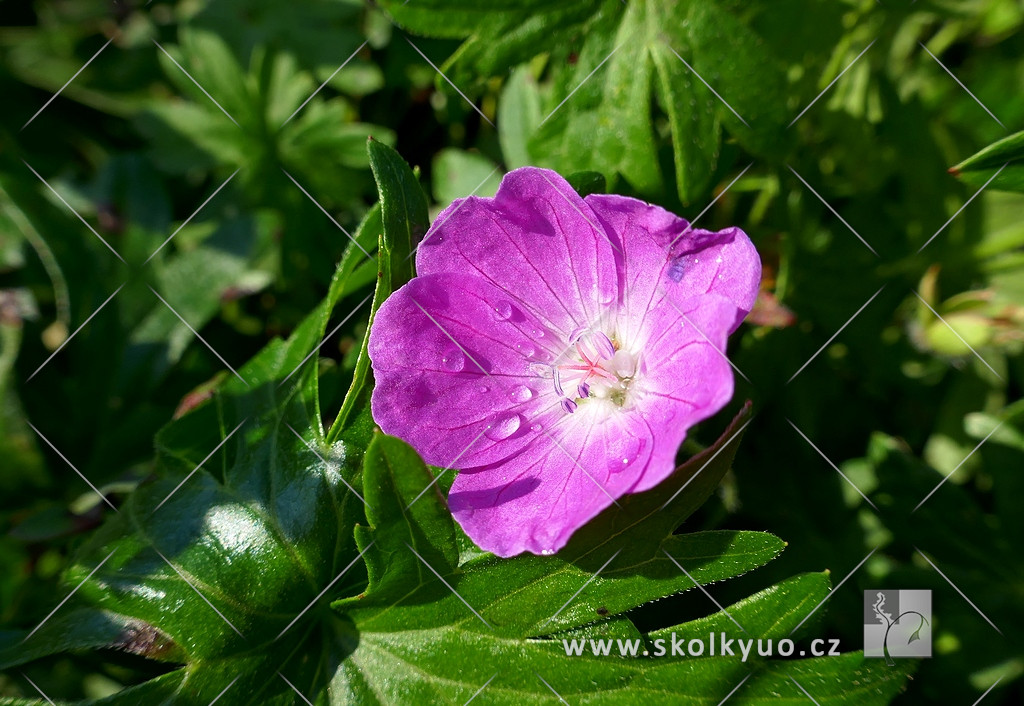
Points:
[(484, 389), (502, 311), (628, 451), (453, 361), (547, 552), (502, 427), (521, 394), (536, 427), (526, 349)]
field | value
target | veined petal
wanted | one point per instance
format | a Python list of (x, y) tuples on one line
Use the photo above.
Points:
[(537, 240), (660, 252), (535, 500), (452, 359), (685, 376)]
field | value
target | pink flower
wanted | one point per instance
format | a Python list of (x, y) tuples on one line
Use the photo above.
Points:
[(555, 350)]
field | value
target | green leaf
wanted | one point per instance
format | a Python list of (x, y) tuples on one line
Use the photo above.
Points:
[(1005, 158), (458, 173), (250, 520), (599, 74), (586, 183), (403, 223)]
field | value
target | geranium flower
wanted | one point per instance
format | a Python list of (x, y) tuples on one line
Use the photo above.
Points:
[(555, 350)]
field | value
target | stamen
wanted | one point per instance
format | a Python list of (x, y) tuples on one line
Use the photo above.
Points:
[(558, 383), (568, 405), (583, 389), (603, 344)]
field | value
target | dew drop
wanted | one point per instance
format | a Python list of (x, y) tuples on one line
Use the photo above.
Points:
[(502, 427), (547, 552), (526, 349), (453, 361), (502, 311), (521, 394), (484, 389), (628, 451), (536, 427)]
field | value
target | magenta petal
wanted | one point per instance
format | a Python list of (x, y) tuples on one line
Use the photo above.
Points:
[(535, 500), (537, 240), (686, 377), (660, 253), (452, 363)]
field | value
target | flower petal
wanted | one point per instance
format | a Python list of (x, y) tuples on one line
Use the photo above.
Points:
[(661, 252), (535, 500), (537, 240), (452, 360), (685, 377)]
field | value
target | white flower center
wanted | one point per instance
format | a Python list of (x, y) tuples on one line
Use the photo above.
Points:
[(595, 367)]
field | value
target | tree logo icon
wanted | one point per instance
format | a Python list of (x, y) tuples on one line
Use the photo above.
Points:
[(897, 624)]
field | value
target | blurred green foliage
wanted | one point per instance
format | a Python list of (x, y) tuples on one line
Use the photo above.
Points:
[(202, 173)]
